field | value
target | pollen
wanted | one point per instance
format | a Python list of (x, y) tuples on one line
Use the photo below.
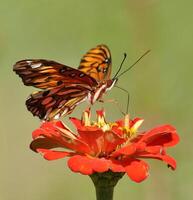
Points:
[(101, 123), (105, 127)]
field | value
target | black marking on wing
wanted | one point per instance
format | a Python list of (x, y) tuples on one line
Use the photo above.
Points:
[(51, 104), (97, 63), (47, 74)]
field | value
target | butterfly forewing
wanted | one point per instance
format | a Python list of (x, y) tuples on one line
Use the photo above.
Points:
[(97, 63), (46, 74)]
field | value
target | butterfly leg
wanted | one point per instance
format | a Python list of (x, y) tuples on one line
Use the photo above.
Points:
[(116, 103), (128, 96), (112, 101)]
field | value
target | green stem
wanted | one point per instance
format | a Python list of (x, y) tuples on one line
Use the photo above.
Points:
[(105, 193), (105, 183)]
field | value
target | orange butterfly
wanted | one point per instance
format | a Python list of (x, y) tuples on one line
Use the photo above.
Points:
[(63, 87)]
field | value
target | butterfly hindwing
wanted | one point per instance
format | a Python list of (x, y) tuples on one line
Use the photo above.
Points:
[(97, 63), (51, 104)]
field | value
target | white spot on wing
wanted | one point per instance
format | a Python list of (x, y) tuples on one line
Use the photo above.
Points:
[(29, 62), (65, 111), (36, 65), (57, 116)]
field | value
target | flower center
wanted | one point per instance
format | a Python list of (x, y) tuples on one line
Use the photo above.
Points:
[(129, 128), (100, 123)]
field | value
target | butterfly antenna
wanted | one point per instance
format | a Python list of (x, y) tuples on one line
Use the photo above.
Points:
[(125, 55), (134, 63)]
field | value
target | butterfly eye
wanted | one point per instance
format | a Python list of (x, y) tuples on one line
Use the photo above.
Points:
[(107, 60)]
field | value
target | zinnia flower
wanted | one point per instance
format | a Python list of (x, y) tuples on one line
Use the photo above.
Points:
[(100, 146)]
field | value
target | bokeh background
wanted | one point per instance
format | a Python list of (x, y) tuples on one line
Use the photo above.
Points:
[(160, 87)]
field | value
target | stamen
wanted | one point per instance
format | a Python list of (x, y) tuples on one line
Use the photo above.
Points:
[(130, 131), (135, 127), (106, 127), (86, 117), (126, 121), (101, 123), (101, 118)]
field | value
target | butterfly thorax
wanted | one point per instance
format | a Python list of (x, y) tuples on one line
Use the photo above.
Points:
[(101, 89)]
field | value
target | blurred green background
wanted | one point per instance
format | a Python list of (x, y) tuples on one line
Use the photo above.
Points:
[(160, 87)]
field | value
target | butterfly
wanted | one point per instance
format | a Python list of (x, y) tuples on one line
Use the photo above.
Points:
[(63, 87)]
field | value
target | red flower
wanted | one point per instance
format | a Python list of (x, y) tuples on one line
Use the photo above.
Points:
[(100, 146)]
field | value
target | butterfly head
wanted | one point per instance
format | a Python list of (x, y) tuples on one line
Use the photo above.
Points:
[(101, 89), (111, 84)]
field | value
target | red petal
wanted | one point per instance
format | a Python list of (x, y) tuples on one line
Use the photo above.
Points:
[(161, 136), (167, 159), (154, 149), (127, 150), (79, 126), (59, 124), (53, 155), (87, 166), (36, 133), (100, 164), (49, 129), (117, 166), (100, 113), (44, 143), (131, 122), (98, 140), (54, 136), (76, 122), (92, 138), (110, 142), (137, 170), (116, 129), (134, 121), (170, 161), (80, 164)]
